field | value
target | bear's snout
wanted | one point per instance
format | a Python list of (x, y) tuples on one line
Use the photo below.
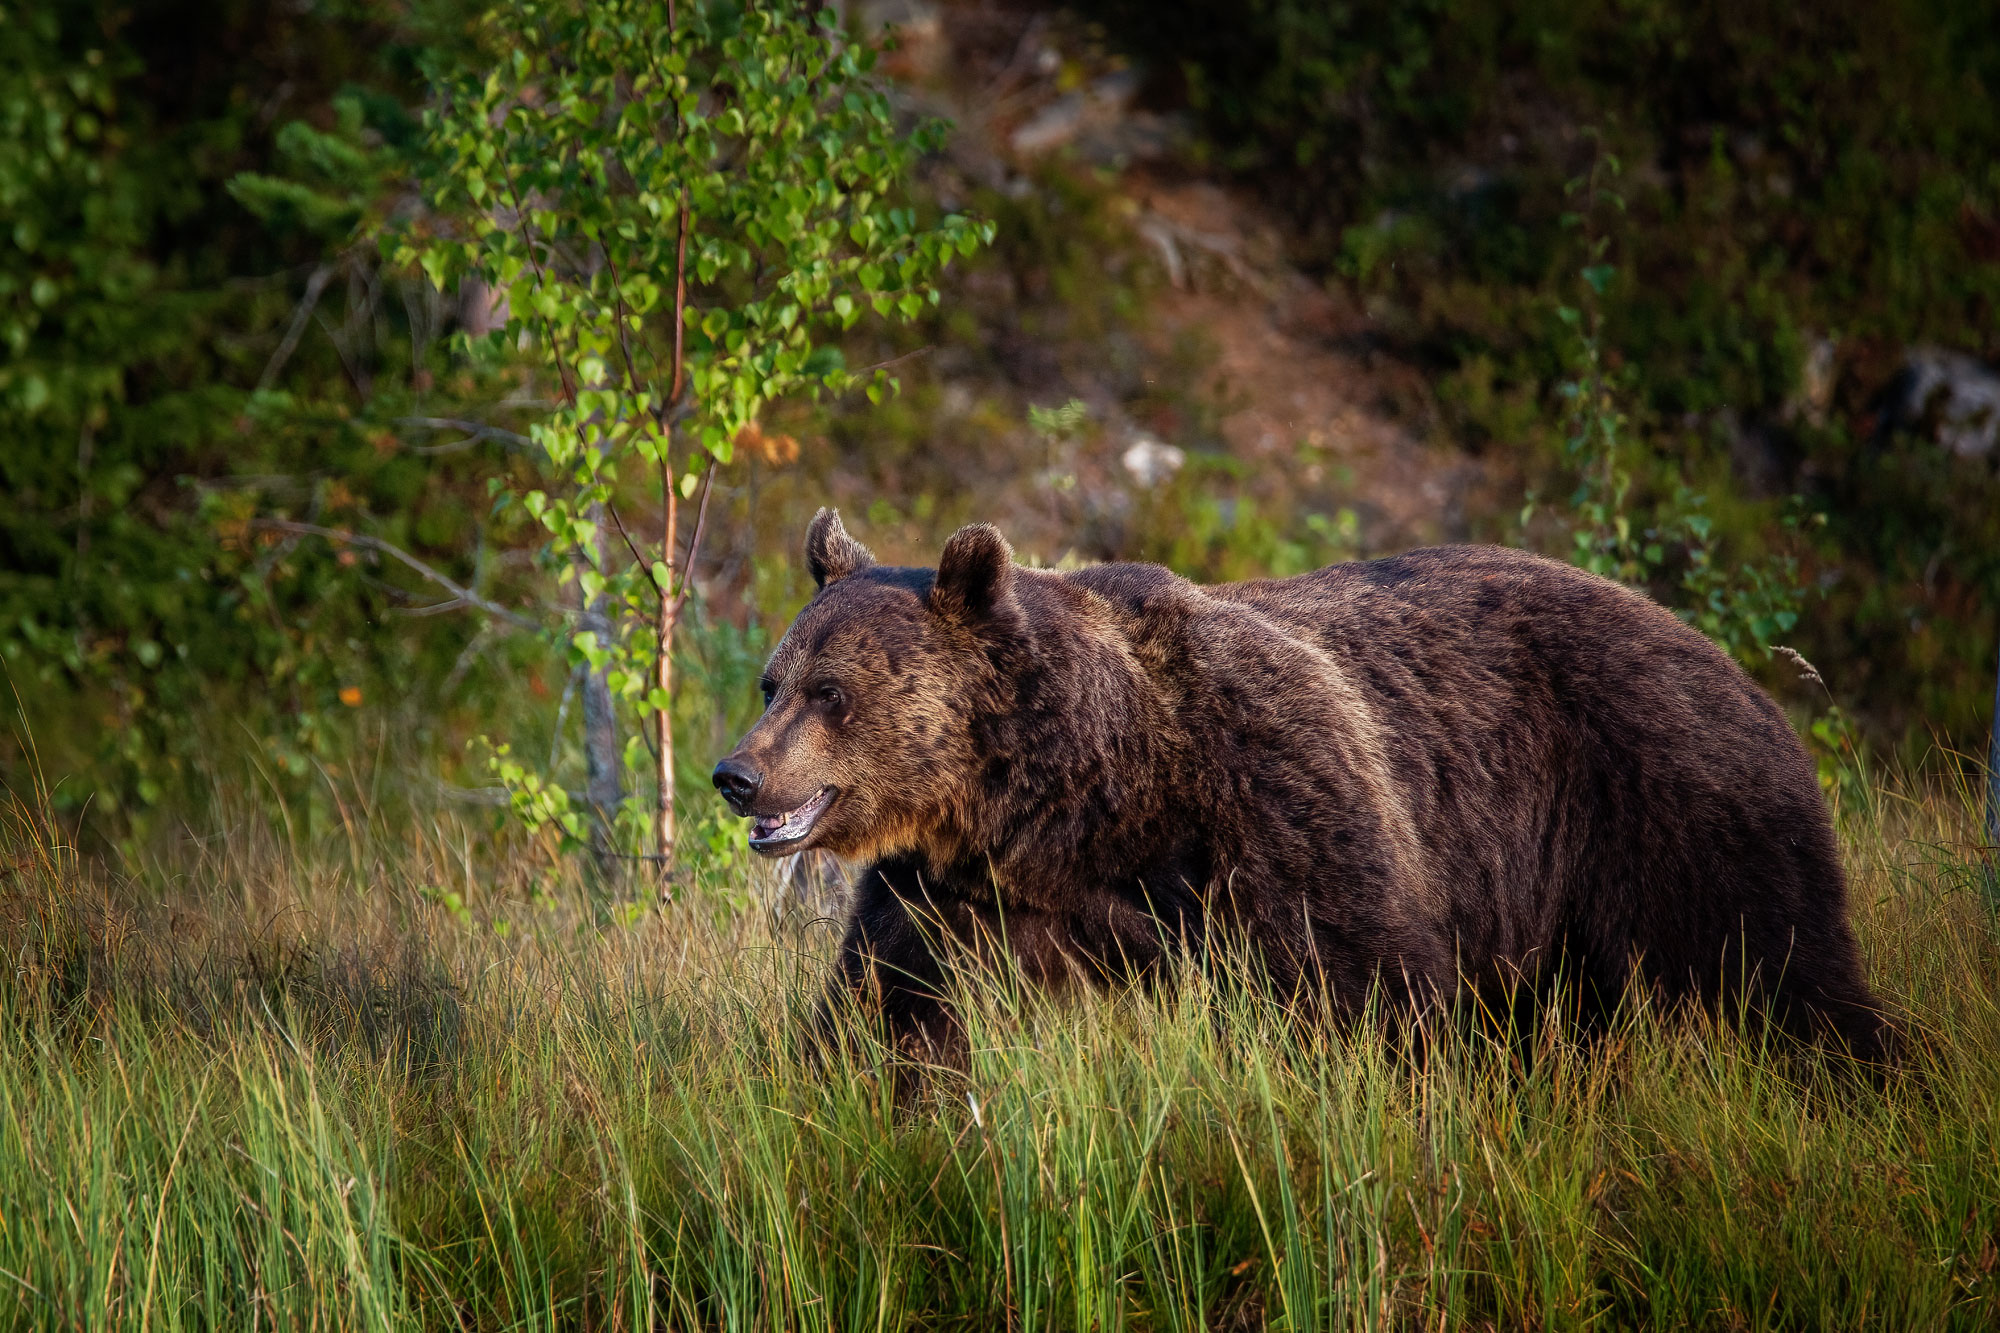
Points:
[(738, 783)]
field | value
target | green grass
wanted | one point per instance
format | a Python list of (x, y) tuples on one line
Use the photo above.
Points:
[(250, 1084)]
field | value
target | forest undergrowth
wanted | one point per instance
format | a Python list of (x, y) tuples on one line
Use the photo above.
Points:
[(400, 1073)]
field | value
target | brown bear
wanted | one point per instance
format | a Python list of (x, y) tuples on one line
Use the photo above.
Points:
[(1393, 778)]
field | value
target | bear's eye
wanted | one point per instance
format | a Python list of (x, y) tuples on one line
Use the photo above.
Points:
[(831, 696), (770, 688)]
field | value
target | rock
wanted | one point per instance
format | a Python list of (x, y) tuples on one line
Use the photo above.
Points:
[(1160, 234), (1950, 397), (1816, 380), (1098, 107), (1151, 462), (1051, 127), (910, 18)]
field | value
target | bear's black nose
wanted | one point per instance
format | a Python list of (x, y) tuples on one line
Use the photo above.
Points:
[(738, 783)]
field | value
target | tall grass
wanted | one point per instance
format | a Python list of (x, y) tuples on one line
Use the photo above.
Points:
[(258, 1084)]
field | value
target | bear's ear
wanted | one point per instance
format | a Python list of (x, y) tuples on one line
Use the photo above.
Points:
[(831, 554), (975, 576)]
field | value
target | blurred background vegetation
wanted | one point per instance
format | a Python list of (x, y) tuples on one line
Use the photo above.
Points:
[(1706, 291)]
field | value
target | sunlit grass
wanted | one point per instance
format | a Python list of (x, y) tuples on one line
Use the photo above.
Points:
[(259, 1083)]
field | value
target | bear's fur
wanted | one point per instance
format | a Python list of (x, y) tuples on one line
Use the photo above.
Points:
[(1459, 764)]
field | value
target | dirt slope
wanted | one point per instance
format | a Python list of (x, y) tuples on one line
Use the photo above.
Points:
[(1217, 347)]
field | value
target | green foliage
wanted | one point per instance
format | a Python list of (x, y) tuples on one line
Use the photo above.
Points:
[(1210, 526), (74, 222), (678, 210), (1745, 610), (1798, 174), (332, 178), (1837, 748), (1057, 423), (142, 307)]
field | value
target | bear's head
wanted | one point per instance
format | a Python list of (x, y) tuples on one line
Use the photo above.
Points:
[(866, 746)]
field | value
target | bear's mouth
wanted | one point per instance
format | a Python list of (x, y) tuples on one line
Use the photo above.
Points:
[(775, 833)]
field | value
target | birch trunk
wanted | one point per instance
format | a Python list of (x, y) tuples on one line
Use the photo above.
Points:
[(664, 833)]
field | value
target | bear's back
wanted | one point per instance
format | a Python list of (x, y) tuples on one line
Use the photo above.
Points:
[(1492, 622), (1533, 716), (1534, 704)]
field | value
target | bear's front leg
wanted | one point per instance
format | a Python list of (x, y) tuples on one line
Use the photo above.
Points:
[(908, 929), (888, 967)]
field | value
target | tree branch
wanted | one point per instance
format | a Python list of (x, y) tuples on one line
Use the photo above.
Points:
[(458, 590), (624, 328), (637, 559), (429, 608), (897, 360), (542, 284), (694, 541), (315, 286), (347, 363)]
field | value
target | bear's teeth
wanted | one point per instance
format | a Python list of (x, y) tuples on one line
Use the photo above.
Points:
[(793, 823)]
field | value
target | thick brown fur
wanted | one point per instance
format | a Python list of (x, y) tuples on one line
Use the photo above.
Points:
[(1460, 766)]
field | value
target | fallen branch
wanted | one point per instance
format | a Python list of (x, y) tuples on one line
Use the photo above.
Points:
[(475, 431), (1168, 236), (458, 590)]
